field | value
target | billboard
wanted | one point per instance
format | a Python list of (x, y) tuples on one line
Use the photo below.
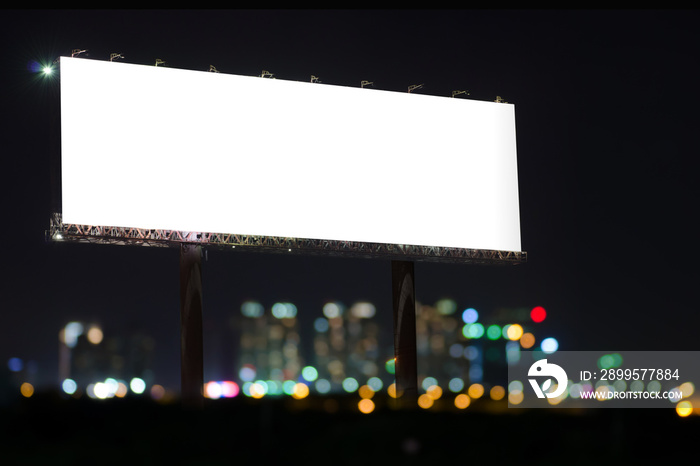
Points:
[(163, 149)]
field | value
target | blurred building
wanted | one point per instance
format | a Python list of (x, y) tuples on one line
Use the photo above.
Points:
[(441, 345), (87, 356), (269, 342), (347, 344), (455, 347)]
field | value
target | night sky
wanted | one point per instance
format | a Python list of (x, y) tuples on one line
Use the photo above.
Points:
[(606, 114)]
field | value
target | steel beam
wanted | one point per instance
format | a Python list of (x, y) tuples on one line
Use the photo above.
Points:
[(238, 242), (404, 304), (191, 352)]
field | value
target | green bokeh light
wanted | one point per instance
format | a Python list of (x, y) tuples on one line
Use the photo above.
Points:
[(493, 332), (475, 330)]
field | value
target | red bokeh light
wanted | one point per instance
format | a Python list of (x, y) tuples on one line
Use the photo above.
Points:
[(538, 314)]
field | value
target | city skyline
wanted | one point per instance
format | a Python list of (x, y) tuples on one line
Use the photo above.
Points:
[(340, 342)]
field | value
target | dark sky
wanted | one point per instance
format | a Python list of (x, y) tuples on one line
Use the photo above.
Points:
[(606, 114)]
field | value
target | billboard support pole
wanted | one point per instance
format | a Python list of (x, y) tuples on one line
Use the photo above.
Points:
[(191, 352), (404, 304)]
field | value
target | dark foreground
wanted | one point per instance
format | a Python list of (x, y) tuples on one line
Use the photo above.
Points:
[(49, 430)]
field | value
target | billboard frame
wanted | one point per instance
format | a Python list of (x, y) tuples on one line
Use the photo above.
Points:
[(190, 245), (97, 234)]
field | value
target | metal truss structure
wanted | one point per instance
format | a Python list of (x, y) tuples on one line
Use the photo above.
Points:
[(60, 231)]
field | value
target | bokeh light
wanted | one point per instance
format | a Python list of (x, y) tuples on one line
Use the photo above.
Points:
[(69, 386), (247, 373), (687, 389), (301, 390), (515, 386), (223, 389), (95, 335), (515, 398), (321, 325), (608, 361), (137, 385), (462, 401), (456, 350), (284, 310), (157, 392), (446, 306), (472, 353), (350, 384), (274, 387), (456, 385), (366, 405), (252, 309), (538, 314), (229, 389), (309, 373), (71, 332), (469, 316), (425, 401), (473, 331), (258, 389), (428, 382), (332, 310), (512, 352), (375, 383), (514, 332), (322, 386), (497, 392), (121, 390), (684, 408), (549, 345), (527, 341), (26, 389), (288, 387), (363, 310), (111, 385), (475, 390), (15, 364), (434, 392), (493, 332), (365, 391)]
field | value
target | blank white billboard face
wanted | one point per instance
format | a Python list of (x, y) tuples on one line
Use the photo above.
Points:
[(161, 148)]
